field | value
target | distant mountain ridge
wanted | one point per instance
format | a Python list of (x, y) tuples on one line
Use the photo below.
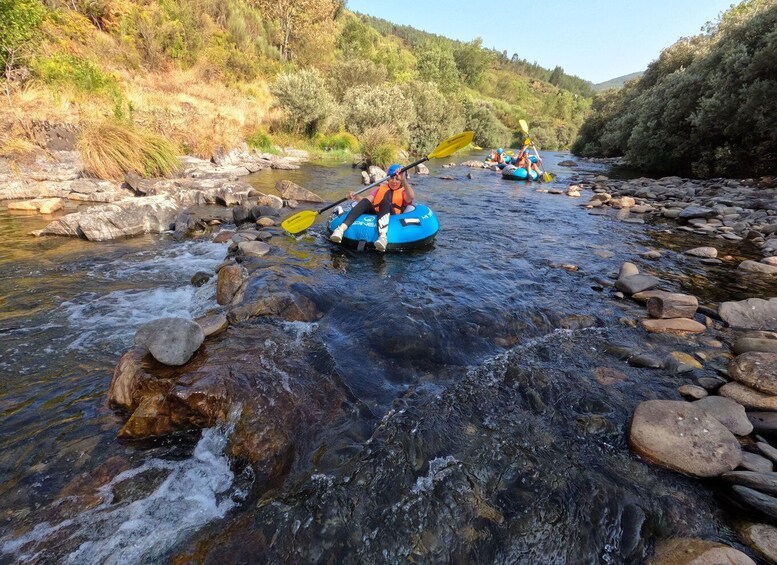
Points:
[(617, 82)]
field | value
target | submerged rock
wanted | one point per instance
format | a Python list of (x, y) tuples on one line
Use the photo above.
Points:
[(292, 191), (681, 551)]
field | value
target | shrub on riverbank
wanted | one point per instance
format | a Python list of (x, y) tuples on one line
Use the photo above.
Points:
[(706, 107), (379, 145), (110, 149)]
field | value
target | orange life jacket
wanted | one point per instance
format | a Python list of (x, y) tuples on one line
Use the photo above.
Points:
[(398, 198)]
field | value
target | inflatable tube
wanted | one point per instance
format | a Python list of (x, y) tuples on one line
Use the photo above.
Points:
[(410, 230), (518, 173)]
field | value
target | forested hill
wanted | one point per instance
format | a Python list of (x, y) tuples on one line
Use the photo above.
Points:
[(617, 82), (706, 107), (310, 73)]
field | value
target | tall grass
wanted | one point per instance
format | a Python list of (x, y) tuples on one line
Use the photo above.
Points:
[(111, 149), (379, 145)]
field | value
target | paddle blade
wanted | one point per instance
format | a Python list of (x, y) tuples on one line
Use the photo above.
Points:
[(299, 221), (452, 144), (547, 177), (524, 126)]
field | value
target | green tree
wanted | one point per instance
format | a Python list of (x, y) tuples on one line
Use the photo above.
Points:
[(19, 20), (306, 100), (472, 61), (436, 64)]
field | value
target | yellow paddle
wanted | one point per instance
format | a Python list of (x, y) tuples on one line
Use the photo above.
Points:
[(303, 220), (546, 176)]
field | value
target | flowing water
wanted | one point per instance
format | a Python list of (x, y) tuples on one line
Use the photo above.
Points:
[(481, 433)]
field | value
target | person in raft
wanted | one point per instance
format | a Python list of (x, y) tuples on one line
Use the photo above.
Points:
[(497, 156), (523, 160), (391, 197)]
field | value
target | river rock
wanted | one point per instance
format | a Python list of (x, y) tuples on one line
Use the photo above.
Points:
[(265, 222), (200, 278), (567, 163), (748, 397), (230, 278), (706, 252), (729, 413), (271, 201), (756, 463), (761, 502), (696, 212), (710, 383), (678, 326), (684, 359), (767, 450), (213, 324), (762, 482), (750, 314), (607, 376), (756, 267), (636, 283), (745, 344), (755, 369), (131, 380), (292, 191), (763, 422), (254, 248), (627, 270), (672, 305), (171, 341), (695, 393), (683, 437), (688, 551), (763, 539), (132, 216)]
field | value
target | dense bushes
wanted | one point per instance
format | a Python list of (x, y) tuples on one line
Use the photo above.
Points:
[(305, 98), (367, 107), (489, 131), (705, 107)]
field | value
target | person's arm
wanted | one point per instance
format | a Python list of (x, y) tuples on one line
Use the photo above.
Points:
[(357, 197), (409, 192)]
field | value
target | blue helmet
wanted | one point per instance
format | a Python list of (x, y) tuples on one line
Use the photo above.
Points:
[(393, 169), (500, 150)]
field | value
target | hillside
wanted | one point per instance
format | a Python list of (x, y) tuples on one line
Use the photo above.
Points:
[(706, 107), (616, 82), (189, 76)]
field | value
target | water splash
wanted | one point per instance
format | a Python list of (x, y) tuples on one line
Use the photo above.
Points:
[(195, 491)]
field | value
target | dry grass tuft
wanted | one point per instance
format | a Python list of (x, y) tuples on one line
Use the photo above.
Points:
[(111, 149)]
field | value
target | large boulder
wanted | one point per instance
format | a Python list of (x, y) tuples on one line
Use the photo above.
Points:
[(683, 437), (129, 217), (291, 191), (171, 341), (750, 314)]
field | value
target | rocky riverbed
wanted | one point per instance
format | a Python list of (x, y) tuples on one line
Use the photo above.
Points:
[(388, 491)]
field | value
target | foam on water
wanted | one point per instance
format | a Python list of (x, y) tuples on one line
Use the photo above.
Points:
[(195, 492), (110, 320)]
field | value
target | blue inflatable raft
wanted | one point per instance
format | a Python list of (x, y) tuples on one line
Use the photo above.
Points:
[(512, 172), (414, 228)]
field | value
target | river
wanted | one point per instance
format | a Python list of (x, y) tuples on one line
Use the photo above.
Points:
[(481, 434)]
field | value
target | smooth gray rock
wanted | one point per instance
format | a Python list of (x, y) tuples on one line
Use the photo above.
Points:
[(637, 283), (728, 412), (696, 212), (769, 451), (706, 252), (746, 344), (751, 314), (762, 482), (292, 191), (756, 267), (756, 463), (765, 422), (254, 248), (761, 502), (171, 341)]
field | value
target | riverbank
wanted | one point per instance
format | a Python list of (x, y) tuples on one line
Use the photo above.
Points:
[(495, 328)]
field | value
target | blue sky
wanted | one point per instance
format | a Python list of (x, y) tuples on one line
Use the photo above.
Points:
[(596, 40)]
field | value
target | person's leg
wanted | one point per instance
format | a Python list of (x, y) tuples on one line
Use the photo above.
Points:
[(363, 206), (384, 213)]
